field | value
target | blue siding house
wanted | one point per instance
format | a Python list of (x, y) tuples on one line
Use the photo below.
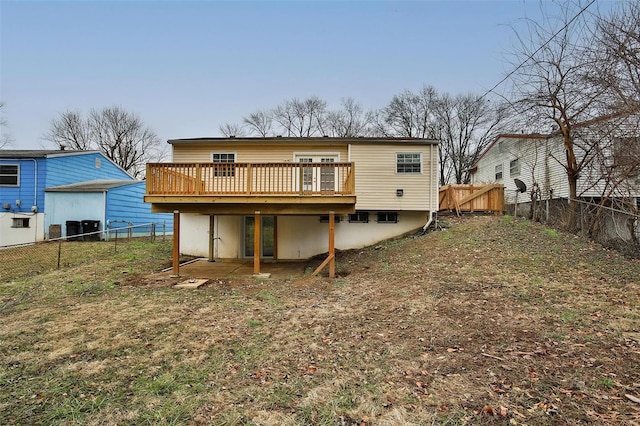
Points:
[(114, 203), (24, 176)]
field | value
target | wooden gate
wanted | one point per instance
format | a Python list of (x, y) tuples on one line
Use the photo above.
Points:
[(472, 198)]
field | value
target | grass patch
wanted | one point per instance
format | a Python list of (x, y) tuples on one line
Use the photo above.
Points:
[(427, 330)]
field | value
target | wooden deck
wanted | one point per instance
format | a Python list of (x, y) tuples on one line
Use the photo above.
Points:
[(242, 188)]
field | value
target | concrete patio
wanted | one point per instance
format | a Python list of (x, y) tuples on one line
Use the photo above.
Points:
[(233, 268)]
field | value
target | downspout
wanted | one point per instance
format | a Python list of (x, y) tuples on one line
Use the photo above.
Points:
[(104, 217), (434, 177), (424, 228), (35, 186), (35, 199)]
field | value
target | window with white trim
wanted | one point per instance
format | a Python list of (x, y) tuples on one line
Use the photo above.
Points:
[(408, 162), (514, 167), (226, 169), (9, 174), (499, 172)]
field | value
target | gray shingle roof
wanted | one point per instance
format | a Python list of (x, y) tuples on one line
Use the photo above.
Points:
[(98, 185), (35, 153)]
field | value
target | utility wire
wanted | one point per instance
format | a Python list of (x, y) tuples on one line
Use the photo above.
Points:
[(565, 26)]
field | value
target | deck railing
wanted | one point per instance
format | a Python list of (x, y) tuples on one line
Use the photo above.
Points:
[(305, 179)]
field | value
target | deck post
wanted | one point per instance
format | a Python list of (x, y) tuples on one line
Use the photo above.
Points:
[(332, 248), (176, 242), (257, 224)]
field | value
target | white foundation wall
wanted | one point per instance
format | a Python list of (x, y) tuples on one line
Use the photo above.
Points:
[(301, 237), (10, 236), (194, 235), (298, 237)]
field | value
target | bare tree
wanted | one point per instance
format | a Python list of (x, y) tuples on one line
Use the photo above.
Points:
[(231, 129), (302, 118), (349, 121), (124, 138), (550, 83), (409, 114), (468, 124), (119, 134), (616, 53), (70, 130), (259, 123), (5, 139)]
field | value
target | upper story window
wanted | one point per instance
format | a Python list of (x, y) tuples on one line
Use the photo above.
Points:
[(409, 162), (514, 167), (499, 172), (9, 174), (224, 157)]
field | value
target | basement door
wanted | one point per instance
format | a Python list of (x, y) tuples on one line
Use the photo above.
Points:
[(267, 236), (318, 179)]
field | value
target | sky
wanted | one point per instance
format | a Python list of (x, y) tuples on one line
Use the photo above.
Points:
[(186, 67)]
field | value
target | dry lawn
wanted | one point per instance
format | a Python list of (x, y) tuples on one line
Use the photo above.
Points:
[(492, 321)]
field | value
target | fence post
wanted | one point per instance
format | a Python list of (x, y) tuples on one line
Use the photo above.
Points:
[(59, 251), (153, 232), (115, 241)]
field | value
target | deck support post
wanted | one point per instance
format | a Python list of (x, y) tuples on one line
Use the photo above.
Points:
[(332, 247), (176, 242), (331, 257), (257, 224)]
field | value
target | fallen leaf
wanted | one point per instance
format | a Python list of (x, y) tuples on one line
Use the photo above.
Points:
[(632, 398)]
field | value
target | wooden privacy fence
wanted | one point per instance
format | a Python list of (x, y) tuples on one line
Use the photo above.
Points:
[(472, 198)]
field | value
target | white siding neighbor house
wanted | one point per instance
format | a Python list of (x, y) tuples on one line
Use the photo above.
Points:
[(368, 189), (537, 160)]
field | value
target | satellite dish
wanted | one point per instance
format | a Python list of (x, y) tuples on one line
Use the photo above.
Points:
[(522, 187)]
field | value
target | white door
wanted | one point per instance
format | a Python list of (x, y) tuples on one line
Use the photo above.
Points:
[(318, 178)]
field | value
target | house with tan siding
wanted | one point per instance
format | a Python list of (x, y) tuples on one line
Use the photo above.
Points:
[(285, 198)]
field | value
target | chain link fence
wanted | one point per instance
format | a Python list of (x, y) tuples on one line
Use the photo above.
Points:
[(22, 260), (614, 223)]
